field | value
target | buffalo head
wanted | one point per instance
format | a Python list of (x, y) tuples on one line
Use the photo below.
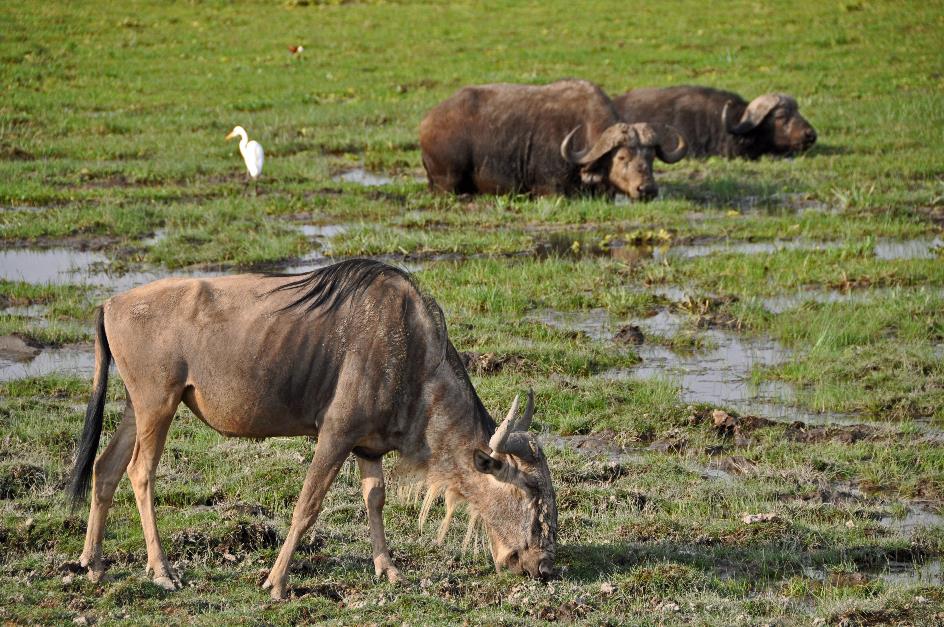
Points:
[(521, 514), (622, 156), (776, 118)]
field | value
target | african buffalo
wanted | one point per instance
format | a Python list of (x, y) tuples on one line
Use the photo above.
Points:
[(352, 353), (562, 138), (716, 122)]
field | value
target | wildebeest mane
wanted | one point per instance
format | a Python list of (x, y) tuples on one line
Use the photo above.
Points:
[(332, 286), (485, 419)]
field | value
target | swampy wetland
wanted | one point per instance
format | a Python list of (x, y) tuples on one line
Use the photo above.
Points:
[(740, 385)]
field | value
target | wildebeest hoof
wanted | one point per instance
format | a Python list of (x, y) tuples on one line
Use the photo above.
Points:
[(168, 583), (276, 591), (95, 574), (96, 568), (393, 575)]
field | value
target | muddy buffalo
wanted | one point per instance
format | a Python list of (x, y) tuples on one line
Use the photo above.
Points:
[(562, 138), (716, 122), (352, 353)]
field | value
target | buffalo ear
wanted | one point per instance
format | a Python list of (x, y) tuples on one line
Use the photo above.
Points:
[(589, 177), (486, 463)]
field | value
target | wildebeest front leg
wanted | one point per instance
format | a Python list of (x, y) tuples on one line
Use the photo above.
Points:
[(107, 473), (152, 426), (372, 485), (325, 464)]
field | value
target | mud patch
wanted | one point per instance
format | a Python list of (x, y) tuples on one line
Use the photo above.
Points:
[(17, 480), (630, 334), (228, 540), (490, 363), (604, 444), (847, 434)]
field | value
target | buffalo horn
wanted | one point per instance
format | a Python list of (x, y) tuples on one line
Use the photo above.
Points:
[(671, 146), (609, 139)]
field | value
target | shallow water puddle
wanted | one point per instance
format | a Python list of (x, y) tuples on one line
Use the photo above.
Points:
[(56, 265), (930, 572), (584, 244), (909, 249), (785, 302), (718, 375), (18, 363), (362, 177), (916, 518), (321, 231), (67, 266)]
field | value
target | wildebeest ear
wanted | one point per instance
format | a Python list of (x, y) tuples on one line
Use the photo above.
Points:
[(486, 463)]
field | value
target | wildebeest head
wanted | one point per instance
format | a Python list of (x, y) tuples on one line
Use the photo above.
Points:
[(622, 156), (776, 117), (521, 515)]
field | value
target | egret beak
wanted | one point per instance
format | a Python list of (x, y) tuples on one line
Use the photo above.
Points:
[(231, 135)]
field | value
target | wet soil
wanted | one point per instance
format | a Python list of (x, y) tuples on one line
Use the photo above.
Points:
[(718, 375)]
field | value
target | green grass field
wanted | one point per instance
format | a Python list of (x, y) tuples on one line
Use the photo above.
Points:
[(111, 146)]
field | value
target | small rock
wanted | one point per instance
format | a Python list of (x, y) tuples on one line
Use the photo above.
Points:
[(629, 334), (80, 620), (606, 588), (669, 445), (722, 418), (750, 519)]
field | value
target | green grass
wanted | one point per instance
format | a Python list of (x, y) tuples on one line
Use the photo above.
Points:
[(111, 131)]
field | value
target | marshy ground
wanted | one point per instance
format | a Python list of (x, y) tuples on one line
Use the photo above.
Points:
[(741, 383)]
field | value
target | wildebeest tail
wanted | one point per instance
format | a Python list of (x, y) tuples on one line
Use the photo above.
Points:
[(94, 415)]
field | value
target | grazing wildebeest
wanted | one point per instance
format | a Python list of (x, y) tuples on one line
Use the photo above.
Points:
[(352, 353), (562, 138), (716, 122)]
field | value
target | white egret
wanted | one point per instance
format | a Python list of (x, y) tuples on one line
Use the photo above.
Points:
[(251, 151)]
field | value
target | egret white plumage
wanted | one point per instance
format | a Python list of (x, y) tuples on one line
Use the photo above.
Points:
[(250, 150)]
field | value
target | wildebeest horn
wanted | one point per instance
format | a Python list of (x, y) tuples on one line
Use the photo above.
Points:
[(511, 423), (755, 113), (609, 139)]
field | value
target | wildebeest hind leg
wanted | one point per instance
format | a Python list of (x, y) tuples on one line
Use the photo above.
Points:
[(372, 485), (153, 421), (108, 470), (330, 453)]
